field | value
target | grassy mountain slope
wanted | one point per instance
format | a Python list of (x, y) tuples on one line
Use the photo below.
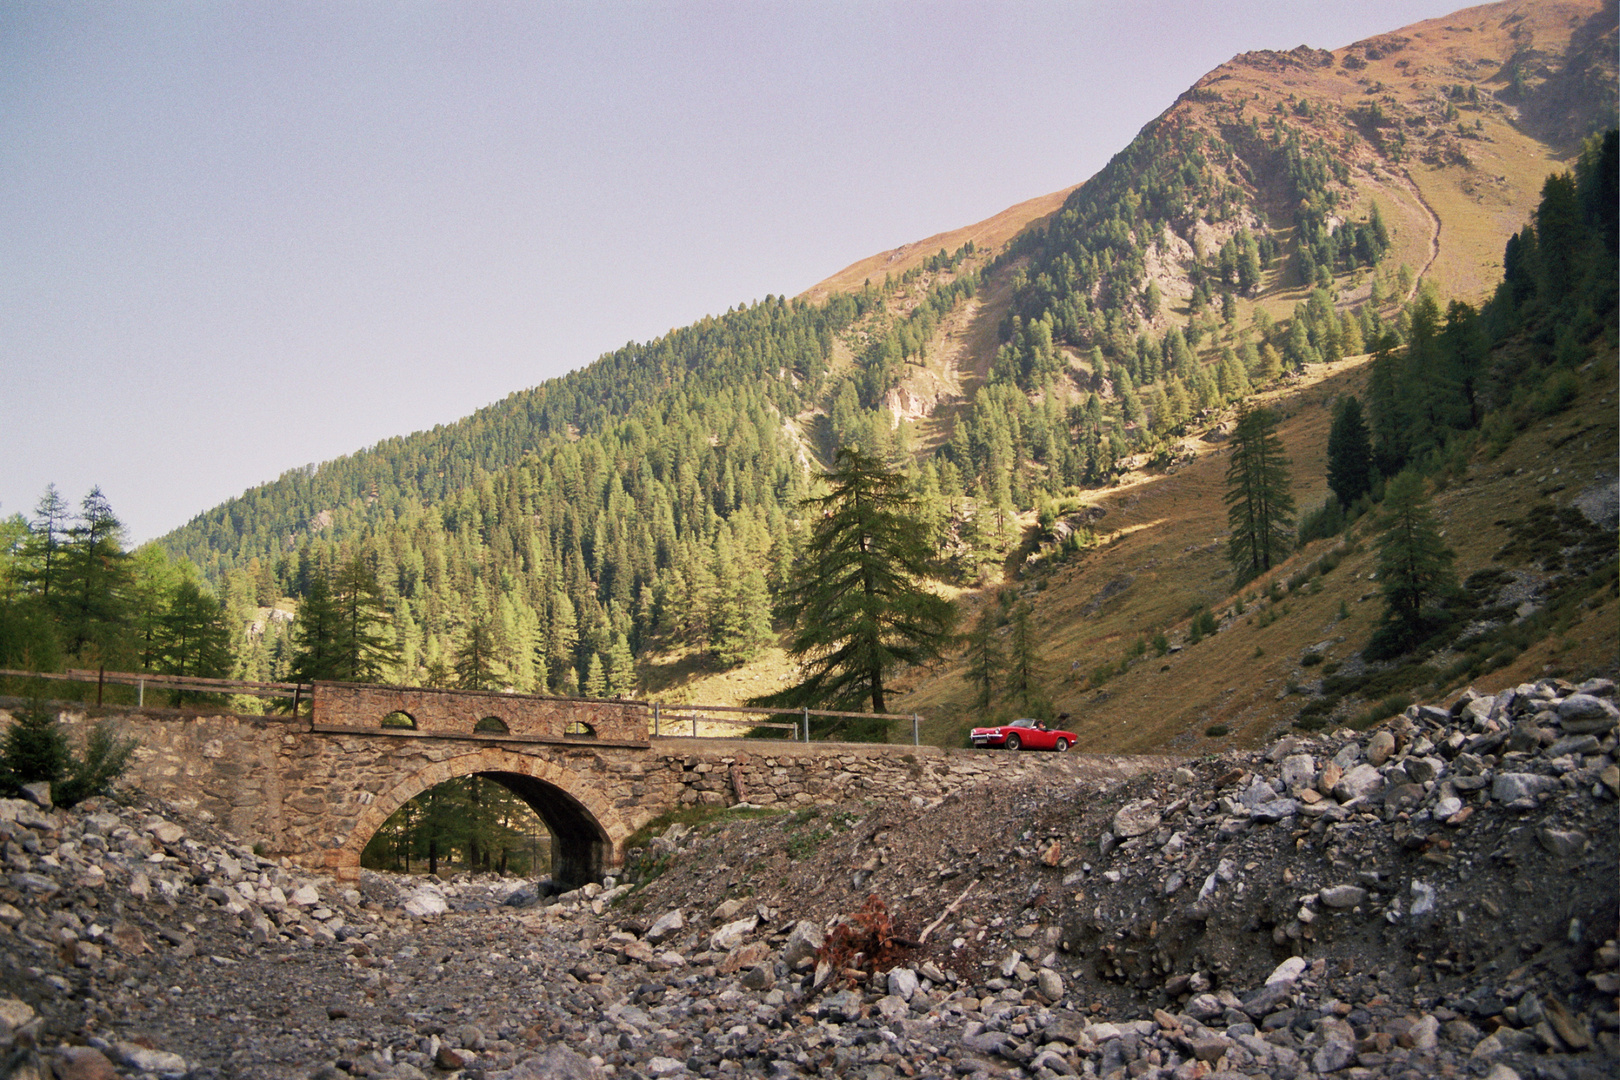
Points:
[(1165, 558)]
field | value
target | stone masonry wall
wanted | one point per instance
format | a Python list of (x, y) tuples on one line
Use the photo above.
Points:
[(455, 712), (318, 797)]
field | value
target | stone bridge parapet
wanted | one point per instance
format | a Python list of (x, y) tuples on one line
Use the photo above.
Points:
[(455, 713)]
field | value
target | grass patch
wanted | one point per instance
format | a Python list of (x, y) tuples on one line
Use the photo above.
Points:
[(695, 817)]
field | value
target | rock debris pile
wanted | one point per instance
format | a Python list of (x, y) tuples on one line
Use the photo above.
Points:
[(1437, 897)]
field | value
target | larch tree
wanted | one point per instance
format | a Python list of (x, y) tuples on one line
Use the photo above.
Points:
[(1259, 506), (192, 639), (1349, 450), (859, 601), (1414, 564), (986, 659)]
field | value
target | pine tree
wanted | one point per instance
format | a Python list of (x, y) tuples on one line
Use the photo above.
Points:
[(364, 646), (1259, 506), (596, 685), (41, 551), (95, 574), (1024, 662), (317, 655), (478, 657), (192, 638), (1349, 450), (986, 660), (621, 668), (858, 600), (1414, 564)]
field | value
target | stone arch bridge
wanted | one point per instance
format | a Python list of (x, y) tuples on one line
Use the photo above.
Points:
[(317, 788)]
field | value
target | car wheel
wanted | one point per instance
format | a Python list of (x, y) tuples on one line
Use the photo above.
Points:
[(1061, 745), (1013, 742)]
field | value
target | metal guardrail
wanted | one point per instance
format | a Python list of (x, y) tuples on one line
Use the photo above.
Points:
[(299, 692), (802, 728)]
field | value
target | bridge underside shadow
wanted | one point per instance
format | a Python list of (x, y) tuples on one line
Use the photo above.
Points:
[(589, 835)]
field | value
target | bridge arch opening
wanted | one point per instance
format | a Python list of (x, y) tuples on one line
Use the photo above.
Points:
[(587, 834), (399, 718), (492, 723)]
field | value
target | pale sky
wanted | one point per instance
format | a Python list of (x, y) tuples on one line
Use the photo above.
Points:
[(236, 238)]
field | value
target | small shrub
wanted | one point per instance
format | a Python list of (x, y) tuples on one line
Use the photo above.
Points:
[(1310, 659), (1215, 731), (1161, 643), (36, 749)]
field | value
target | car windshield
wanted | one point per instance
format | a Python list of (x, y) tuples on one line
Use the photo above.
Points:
[(1017, 723)]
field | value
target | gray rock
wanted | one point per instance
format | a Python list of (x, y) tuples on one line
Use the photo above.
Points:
[(1334, 1055), (38, 793), (1359, 782), (1565, 843), (1423, 769), (426, 901), (1572, 744), (1342, 896), (802, 943), (1584, 714), (1423, 900), (841, 1007), (731, 935), (1267, 1000), (161, 1062), (1275, 810), (1050, 984), (1511, 787), (902, 983), (1137, 818), (557, 1063), (665, 927), (1205, 1007), (1299, 772)]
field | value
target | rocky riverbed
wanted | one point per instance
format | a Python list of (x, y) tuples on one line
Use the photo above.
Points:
[(1437, 897)]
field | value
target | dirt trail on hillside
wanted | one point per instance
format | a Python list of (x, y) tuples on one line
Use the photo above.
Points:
[(1410, 185)]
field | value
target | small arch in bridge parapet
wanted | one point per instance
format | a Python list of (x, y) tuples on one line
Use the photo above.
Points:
[(579, 730), (399, 718), (494, 724)]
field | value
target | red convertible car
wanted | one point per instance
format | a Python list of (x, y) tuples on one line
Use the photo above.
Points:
[(1023, 734)]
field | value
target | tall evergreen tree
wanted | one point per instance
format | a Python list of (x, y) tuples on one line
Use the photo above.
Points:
[(859, 601), (478, 657), (317, 655), (40, 559), (1414, 564), (192, 638), (364, 645), (92, 596), (1349, 452), (1024, 661), (1259, 506), (986, 659)]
